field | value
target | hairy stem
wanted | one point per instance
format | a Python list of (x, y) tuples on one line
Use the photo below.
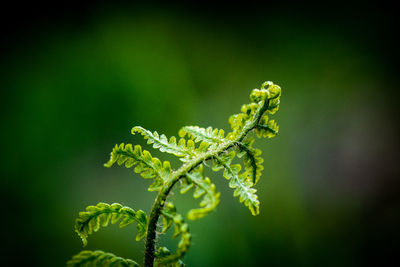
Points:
[(181, 172)]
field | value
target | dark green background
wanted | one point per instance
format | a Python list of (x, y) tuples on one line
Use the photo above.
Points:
[(76, 78)]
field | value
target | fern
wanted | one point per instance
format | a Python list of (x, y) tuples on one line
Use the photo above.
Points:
[(210, 136), (102, 214), (195, 147), (203, 186), (181, 149), (146, 165), (99, 258), (164, 257), (243, 187), (252, 160)]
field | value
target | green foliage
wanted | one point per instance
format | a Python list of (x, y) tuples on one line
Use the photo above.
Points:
[(252, 160), (239, 182), (203, 144), (180, 149), (210, 136), (148, 166), (203, 187), (170, 217), (98, 258), (102, 214)]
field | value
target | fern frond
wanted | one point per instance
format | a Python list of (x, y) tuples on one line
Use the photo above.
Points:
[(267, 128), (211, 136), (219, 162), (252, 160), (237, 123), (204, 144), (170, 216), (265, 99), (269, 91), (148, 166), (102, 214), (161, 142), (242, 185), (164, 252), (98, 258), (274, 94), (203, 187)]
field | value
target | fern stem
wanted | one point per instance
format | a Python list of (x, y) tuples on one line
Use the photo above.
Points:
[(158, 205)]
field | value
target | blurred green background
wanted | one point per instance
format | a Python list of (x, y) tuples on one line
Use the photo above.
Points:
[(76, 78)]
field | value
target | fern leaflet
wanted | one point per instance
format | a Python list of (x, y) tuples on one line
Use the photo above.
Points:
[(164, 257), (252, 160), (98, 258), (243, 187), (180, 149), (211, 136), (102, 214), (148, 166), (203, 187)]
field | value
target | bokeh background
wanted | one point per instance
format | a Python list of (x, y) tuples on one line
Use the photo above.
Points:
[(76, 77)]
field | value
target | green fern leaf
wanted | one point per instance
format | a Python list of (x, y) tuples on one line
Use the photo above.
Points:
[(252, 160), (164, 252), (156, 185), (102, 214), (168, 216), (98, 258), (265, 99), (242, 185), (148, 166), (222, 160), (237, 123), (269, 91), (274, 94), (185, 185), (267, 128), (203, 187), (211, 136), (161, 142), (165, 258)]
